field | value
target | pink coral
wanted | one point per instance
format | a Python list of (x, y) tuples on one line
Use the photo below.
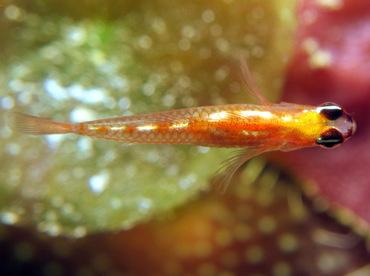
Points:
[(331, 62)]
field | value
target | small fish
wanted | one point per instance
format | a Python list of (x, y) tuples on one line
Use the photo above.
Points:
[(255, 128)]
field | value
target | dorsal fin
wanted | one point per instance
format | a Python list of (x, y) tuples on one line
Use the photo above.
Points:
[(248, 82)]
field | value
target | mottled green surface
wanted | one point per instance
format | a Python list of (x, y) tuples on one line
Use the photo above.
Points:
[(72, 64)]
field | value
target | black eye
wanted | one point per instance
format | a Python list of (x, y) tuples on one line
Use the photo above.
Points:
[(330, 111), (330, 138)]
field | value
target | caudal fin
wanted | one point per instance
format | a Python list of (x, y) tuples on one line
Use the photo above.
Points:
[(36, 125)]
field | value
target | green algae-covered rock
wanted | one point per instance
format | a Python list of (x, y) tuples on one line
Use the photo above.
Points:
[(67, 63)]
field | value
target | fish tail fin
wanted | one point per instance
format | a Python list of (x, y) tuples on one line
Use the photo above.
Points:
[(36, 125)]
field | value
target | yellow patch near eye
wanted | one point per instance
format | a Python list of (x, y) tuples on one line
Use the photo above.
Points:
[(310, 123)]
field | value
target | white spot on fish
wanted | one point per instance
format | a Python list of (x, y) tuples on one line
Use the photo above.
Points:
[(287, 118), (147, 127), (218, 116), (263, 114), (117, 128)]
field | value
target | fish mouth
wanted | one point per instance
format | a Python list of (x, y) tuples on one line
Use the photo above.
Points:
[(349, 126), (345, 124)]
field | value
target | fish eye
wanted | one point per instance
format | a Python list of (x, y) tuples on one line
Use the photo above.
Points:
[(330, 138), (330, 111)]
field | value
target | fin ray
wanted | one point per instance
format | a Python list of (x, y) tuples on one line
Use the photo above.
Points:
[(248, 82), (231, 165), (36, 125)]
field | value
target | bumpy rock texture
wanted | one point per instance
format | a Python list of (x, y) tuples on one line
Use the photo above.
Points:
[(145, 55)]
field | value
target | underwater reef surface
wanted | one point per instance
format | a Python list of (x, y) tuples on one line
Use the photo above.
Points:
[(68, 66), (263, 224)]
